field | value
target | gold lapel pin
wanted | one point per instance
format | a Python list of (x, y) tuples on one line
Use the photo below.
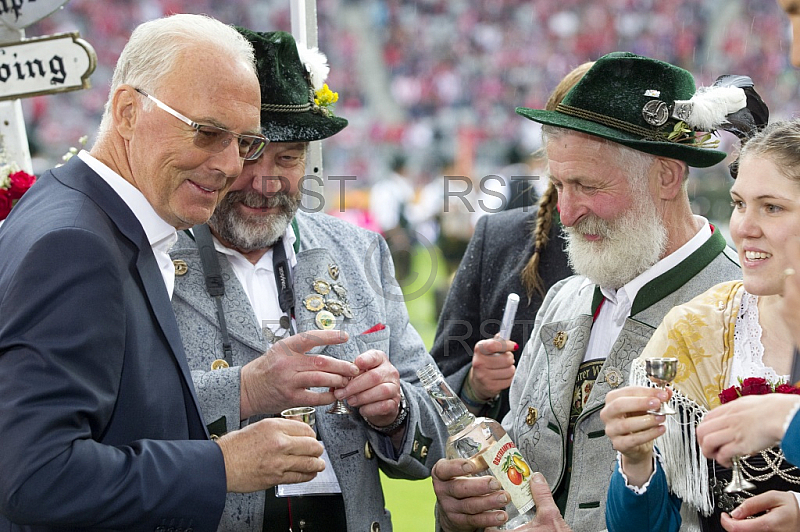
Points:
[(560, 339), (321, 287), (181, 268), (219, 364), (533, 415), (613, 377), (333, 271), (334, 307), (314, 302)]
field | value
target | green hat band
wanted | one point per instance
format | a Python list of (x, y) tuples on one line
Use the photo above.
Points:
[(609, 121)]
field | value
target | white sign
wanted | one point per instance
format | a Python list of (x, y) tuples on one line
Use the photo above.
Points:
[(19, 14), (44, 65)]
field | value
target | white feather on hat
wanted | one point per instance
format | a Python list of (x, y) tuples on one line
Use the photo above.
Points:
[(710, 105), (316, 64)]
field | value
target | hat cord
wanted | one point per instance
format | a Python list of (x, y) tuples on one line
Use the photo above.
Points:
[(286, 108), (605, 120)]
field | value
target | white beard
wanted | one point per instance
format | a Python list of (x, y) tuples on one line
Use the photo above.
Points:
[(630, 245), (249, 234)]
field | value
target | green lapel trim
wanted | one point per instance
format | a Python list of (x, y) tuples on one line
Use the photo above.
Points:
[(296, 245), (671, 281), (189, 234)]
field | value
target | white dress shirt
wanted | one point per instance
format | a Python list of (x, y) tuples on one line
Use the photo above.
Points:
[(258, 281), (161, 235)]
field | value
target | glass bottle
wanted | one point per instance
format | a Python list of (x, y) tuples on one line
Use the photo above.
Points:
[(485, 443)]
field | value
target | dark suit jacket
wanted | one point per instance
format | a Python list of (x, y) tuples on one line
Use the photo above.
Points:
[(99, 424), (491, 269)]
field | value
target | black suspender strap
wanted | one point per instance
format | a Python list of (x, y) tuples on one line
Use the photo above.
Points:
[(283, 281), (214, 284)]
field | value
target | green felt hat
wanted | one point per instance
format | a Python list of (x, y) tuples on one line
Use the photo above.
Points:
[(630, 99), (295, 107)]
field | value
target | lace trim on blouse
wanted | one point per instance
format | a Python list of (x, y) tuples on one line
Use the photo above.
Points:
[(748, 351)]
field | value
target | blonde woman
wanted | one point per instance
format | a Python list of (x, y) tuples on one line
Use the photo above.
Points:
[(729, 333)]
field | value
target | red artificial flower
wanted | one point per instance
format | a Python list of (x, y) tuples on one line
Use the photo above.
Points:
[(755, 386), (5, 203), (20, 183), (787, 388), (728, 394)]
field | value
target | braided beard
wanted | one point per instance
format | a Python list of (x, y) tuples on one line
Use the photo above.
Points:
[(249, 233), (629, 246)]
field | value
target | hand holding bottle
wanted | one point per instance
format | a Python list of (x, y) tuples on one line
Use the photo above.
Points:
[(548, 516), (465, 502), (469, 503), (490, 453)]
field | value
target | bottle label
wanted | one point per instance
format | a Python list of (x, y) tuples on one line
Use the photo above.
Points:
[(510, 468)]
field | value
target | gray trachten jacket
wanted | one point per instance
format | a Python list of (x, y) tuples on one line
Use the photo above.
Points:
[(357, 452), (541, 394)]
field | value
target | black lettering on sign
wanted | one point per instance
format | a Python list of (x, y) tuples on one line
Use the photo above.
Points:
[(57, 69), (15, 70), (7, 6)]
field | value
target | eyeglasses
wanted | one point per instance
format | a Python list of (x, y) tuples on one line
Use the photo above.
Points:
[(215, 139)]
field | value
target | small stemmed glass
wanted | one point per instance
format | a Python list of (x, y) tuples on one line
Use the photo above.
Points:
[(338, 407), (738, 482), (661, 371)]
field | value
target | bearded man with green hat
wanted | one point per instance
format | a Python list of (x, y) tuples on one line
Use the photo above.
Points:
[(619, 148), (264, 274)]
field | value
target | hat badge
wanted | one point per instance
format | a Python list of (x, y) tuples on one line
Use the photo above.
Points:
[(655, 113)]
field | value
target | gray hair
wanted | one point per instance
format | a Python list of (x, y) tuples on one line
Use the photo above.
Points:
[(153, 49), (635, 163), (779, 142)]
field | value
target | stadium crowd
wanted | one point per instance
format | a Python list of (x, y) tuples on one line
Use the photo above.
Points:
[(438, 80)]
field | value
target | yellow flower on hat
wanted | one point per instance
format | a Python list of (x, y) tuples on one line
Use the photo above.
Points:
[(325, 96), (324, 99)]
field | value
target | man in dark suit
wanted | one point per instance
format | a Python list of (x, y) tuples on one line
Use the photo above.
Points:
[(99, 423)]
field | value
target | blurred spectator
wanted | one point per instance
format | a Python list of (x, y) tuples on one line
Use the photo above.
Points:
[(389, 202), (515, 185)]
